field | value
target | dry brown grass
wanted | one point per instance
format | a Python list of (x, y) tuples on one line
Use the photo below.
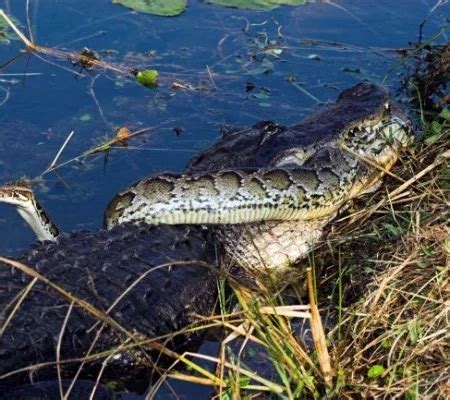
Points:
[(401, 323), (383, 291), (392, 295)]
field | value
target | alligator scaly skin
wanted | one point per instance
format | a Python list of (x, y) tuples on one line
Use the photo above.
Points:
[(173, 286)]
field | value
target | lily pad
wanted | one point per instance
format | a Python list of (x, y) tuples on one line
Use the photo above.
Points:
[(167, 8), (258, 4)]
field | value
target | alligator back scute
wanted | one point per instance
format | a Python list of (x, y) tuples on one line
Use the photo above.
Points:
[(98, 268)]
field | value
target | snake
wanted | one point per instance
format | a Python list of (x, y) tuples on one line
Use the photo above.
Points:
[(269, 215)]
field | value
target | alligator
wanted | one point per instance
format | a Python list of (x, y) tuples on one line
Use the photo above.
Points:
[(155, 280)]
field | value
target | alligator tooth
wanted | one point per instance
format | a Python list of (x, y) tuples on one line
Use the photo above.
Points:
[(386, 105)]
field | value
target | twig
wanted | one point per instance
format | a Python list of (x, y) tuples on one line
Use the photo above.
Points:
[(23, 74), (61, 54), (211, 77), (102, 370), (27, 14), (52, 164), (306, 92), (97, 149), (76, 73), (97, 103), (17, 305), (6, 95), (58, 349), (318, 333)]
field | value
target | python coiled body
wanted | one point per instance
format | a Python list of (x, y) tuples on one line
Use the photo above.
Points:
[(239, 196), (301, 185)]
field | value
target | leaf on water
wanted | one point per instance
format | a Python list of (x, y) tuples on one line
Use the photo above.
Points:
[(258, 4), (351, 70), (148, 77), (122, 135), (266, 67), (167, 8)]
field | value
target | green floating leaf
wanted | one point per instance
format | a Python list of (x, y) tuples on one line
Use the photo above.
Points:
[(258, 4), (375, 371), (148, 77), (166, 8)]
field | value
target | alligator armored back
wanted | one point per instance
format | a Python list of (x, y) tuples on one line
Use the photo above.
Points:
[(154, 281), (309, 161)]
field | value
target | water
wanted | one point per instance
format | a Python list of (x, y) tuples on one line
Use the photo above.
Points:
[(350, 41)]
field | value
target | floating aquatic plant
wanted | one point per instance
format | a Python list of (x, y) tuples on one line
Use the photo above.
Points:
[(170, 8)]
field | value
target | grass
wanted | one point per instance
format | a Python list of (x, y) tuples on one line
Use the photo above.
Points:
[(383, 291)]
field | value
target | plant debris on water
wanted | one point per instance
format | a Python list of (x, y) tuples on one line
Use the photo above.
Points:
[(148, 77), (258, 4)]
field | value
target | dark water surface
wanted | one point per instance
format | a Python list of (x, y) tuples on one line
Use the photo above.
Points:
[(322, 47)]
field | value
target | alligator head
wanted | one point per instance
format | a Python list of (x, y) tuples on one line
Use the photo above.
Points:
[(363, 106)]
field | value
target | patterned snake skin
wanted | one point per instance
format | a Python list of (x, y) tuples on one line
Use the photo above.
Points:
[(295, 183)]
